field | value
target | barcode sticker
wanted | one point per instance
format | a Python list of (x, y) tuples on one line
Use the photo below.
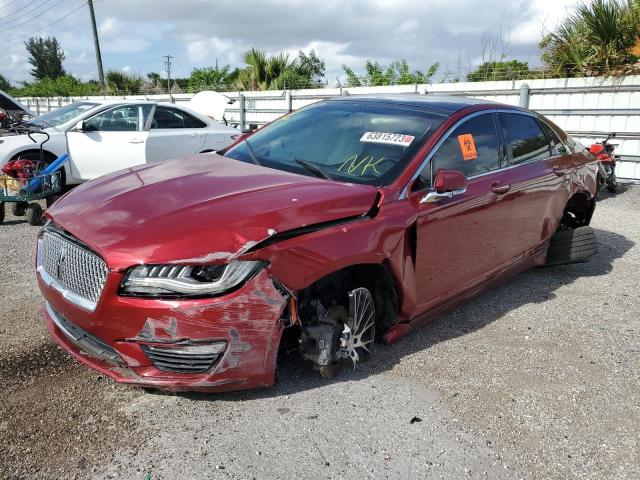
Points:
[(387, 138)]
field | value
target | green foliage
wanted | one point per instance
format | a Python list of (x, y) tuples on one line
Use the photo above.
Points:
[(503, 70), (311, 67), (599, 39), (279, 71), (397, 72), (4, 83), (45, 55), (64, 86), (121, 83), (212, 78)]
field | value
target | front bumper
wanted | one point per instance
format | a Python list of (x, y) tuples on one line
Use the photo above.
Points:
[(116, 339)]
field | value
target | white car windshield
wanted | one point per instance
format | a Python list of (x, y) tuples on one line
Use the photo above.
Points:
[(63, 114)]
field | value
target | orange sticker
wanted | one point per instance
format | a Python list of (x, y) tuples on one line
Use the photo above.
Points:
[(468, 147)]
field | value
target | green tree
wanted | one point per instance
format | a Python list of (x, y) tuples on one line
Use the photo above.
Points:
[(503, 70), (63, 86), (122, 83), (279, 71), (4, 83), (599, 39), (311, 67), (397, 72), (212, 78), (46, 56)]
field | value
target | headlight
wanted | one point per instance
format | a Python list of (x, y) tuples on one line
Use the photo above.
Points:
[(187, 281)]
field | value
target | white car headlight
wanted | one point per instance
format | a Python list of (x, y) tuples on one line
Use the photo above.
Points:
[(187, 281)]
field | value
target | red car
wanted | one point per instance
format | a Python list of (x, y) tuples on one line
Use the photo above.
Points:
[(351, 220)]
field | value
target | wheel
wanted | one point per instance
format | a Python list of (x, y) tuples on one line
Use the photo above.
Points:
[(34, 214), (576, 245), (362, 323), (1, 212), (612, 186), (18, 209)]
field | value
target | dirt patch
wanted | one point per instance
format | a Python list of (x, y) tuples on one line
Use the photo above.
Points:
[(57, 417)]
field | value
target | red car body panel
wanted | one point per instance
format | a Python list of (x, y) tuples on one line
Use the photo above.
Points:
[(220, 209)]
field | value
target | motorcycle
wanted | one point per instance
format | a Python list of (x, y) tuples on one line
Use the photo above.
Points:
[(603, 151)]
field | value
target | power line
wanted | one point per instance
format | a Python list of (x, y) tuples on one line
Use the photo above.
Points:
[(21, 12), (45, 26), (29, 20)]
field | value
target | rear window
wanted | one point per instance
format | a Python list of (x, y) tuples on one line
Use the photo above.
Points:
[(349, 141), (524, 137)]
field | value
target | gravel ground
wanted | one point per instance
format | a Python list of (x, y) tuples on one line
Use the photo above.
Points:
[(538, 379)]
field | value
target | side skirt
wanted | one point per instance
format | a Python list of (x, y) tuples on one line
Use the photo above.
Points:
[(535, 259)]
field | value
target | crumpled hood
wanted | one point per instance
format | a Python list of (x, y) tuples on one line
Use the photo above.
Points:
[(199, 209)]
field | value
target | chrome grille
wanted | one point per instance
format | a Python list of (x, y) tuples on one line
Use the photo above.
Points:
[(71, 268)]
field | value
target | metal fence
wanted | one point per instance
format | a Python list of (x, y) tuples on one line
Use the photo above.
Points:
[(587, 108)]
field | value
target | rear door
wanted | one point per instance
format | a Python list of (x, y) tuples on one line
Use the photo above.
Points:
[(174, 133), (539, 175), (110, 140)]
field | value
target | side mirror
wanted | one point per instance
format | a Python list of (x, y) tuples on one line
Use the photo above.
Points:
[(79, 127), (447, 184)]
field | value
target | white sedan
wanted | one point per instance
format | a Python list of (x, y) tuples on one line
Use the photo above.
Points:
[(105, 136)]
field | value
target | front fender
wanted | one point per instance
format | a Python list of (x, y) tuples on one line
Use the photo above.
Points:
[(301, 261)]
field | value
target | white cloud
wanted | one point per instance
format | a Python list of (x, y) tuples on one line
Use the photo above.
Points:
[(126, 69), (543, 16), (210, 48), (110, 27)]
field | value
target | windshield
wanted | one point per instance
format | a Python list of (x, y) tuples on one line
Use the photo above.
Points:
[(63, 114), (346, 141)]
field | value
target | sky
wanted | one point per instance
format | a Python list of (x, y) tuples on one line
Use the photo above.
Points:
[(136, 34)]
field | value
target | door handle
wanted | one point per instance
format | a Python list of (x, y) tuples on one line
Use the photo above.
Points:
[(136, 140), (500, 188), (559, 171)]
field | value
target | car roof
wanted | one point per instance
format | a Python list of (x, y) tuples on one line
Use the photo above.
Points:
[(441, 103)]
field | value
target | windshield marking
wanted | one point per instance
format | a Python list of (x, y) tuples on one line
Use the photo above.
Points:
[(355, 165)]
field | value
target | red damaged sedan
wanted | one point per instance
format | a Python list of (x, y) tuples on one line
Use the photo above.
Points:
[(350, 221)]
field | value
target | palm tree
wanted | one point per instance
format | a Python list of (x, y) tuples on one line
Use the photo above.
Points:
[(601, 38), (123, 83), (269, 72)]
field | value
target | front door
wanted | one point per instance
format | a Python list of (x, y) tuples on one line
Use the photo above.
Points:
[(109, 141), (460, 240)]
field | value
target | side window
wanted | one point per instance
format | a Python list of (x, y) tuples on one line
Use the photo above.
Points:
[(557, 148), (166, 117), (120, 119), (524, 137), (471, 148)]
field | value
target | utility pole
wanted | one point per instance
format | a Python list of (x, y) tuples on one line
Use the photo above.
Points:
[(167, 66), (96, 43)]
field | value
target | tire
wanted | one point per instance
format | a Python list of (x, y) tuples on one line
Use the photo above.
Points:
[(576, 245), (34, 214), (1, 212), (612, 187), (18, 209)]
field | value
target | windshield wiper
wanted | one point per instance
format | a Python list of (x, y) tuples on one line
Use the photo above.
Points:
[(252, 153), (317, 171)]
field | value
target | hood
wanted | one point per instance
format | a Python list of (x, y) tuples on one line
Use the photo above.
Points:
[(200, 209)]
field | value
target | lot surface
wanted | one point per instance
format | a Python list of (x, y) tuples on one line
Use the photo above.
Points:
[(538, 379)]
